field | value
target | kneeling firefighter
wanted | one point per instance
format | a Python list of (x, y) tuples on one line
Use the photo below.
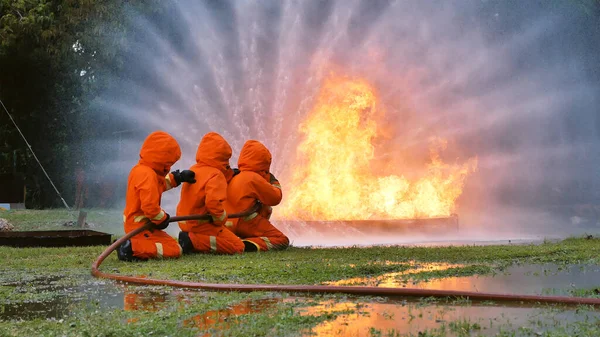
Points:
[(255, 184), (147, 181), (213, 172)]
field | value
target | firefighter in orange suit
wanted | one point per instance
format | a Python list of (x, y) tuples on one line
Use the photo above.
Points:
[(147, 181), (255, 184), (207, 196)]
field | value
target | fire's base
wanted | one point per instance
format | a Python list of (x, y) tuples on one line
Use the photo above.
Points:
[(441, 225)]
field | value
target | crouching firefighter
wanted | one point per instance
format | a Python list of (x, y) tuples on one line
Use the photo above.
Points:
[(207, 196), (255, 184), (147, 181)]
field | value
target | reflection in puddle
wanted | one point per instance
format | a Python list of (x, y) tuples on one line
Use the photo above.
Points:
[(401, 318), (207, 321), (145, 302), (153, 301), (525, 279), (392, 280), (521, 279)]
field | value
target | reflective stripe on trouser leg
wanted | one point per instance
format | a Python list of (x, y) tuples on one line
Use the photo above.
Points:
[(159, 249), (213, 243), (267, 242)]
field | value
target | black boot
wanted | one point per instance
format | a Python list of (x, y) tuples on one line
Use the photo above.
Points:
[(250, 246), (125, 252), (186, 243)]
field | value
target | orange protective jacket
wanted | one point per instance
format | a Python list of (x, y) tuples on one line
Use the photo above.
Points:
[(210, 190), (149, 179), (253, 182)]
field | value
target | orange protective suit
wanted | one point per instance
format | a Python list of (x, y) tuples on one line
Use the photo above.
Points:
[(207, 195), (255, 184), (147, 181)]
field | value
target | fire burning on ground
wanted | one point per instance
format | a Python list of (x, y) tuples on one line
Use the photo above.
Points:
[(334, 178)]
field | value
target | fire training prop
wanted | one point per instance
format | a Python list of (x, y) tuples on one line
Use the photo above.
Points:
[(321, 289)]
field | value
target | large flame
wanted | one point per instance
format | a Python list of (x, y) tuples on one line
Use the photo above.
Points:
[(333, 179)]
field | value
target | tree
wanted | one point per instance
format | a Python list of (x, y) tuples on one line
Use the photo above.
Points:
[(55, 57)]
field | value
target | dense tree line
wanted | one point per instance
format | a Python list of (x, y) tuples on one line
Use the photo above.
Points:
[(56, 57)]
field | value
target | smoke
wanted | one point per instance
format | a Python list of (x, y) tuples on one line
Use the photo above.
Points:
[(514, 83)]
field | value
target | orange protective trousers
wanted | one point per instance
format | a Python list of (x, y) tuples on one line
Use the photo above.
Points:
[(261, 233), (153, 244), (209, 238)]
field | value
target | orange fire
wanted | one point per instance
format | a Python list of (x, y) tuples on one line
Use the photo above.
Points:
[(333, 179)]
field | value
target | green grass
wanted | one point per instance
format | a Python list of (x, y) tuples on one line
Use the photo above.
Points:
[(307, 266), (22, 273), (277, 320), (30, 220)]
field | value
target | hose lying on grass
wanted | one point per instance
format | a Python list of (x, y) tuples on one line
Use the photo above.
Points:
[(320, 289)]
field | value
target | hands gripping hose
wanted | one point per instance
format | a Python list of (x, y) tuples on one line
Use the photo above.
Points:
[(319, 289)]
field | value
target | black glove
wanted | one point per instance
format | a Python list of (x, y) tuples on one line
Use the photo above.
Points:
[(236, 171), (185, 176), (272, 178), (163, 224)]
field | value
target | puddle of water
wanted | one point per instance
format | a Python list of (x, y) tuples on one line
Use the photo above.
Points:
[(54, 297), (30, 310), (404, 318), (401, 317), (207, 321), (523, 279), (391, 280)]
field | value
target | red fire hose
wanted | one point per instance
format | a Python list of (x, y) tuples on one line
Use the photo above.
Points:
[(316, 289)]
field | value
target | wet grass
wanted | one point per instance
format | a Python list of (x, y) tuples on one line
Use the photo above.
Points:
[(470, 270), (31, 220), (40, 275), (313, 266), (277, 320), (307, 266)]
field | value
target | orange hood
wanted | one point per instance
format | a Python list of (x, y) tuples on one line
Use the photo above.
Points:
[(160, 151), (254, 157), (214, 151)]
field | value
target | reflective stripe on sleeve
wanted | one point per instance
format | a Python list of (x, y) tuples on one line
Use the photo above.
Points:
[(159, 216), (250, 217), (140, 218), (169, 183), (221, 218), (277, 185)]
